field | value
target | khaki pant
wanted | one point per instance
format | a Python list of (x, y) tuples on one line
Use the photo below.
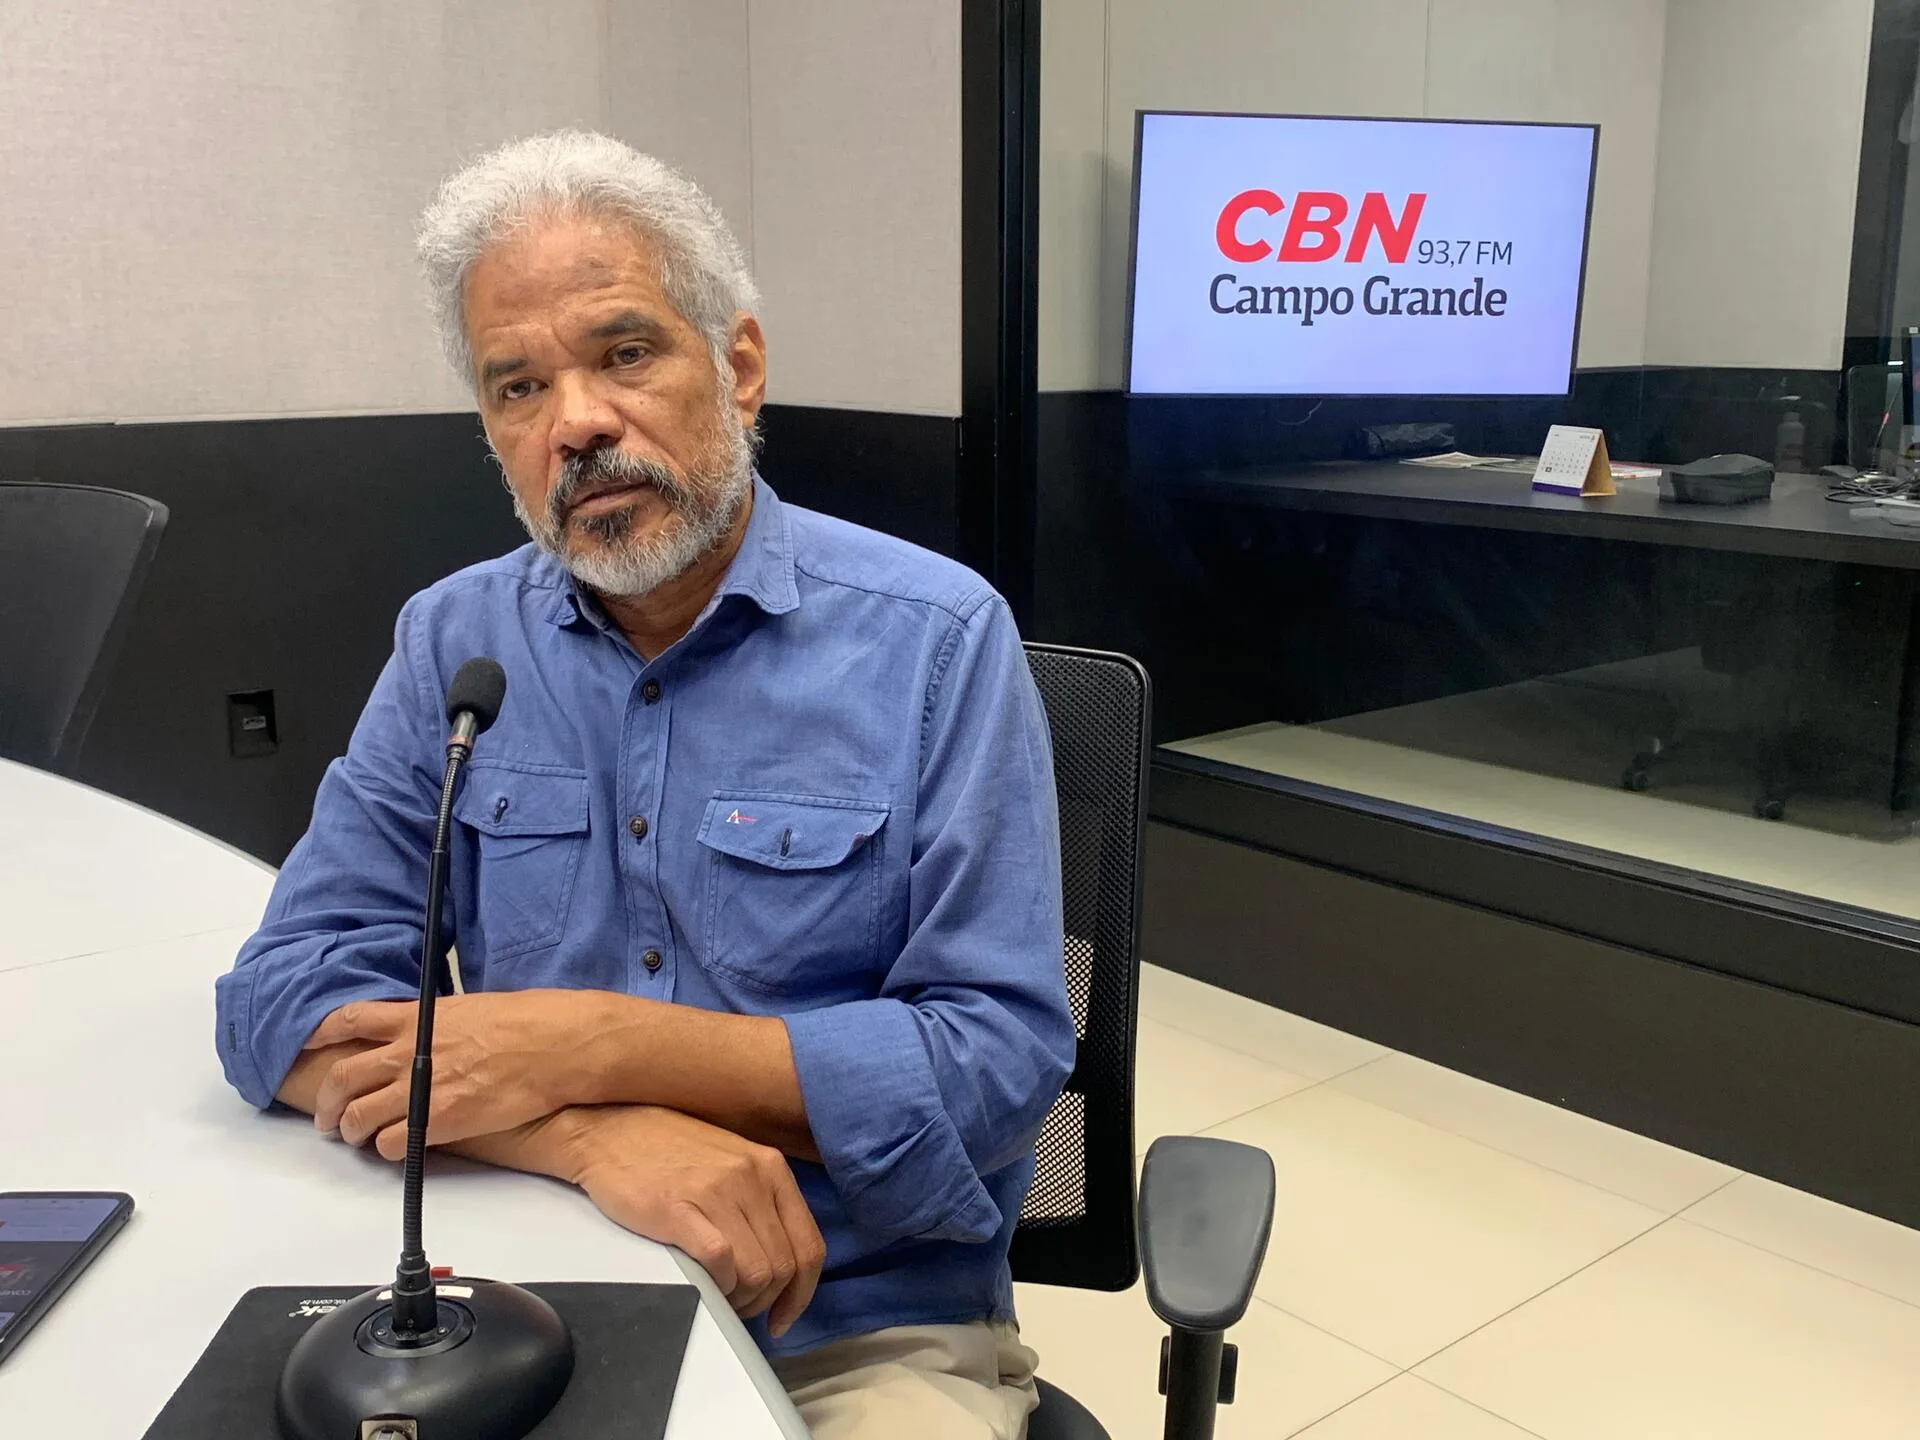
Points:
[(921, 1382)]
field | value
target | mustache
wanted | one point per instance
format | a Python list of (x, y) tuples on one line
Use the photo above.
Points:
[(595, 470)]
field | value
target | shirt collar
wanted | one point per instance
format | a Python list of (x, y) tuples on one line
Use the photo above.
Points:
[(762, 570)]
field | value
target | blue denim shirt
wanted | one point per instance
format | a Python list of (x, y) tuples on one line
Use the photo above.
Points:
[(847, 782)]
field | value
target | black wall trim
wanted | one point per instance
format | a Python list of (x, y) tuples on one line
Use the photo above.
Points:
[(1857, 958), (897, 473), (1785, 1086), (999, 291), (293, 543)]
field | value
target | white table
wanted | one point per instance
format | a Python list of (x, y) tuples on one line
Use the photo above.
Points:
[(114, 923), (82, 872)]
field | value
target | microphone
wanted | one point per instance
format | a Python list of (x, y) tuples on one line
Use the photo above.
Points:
[(456, 1360), (474, 699)]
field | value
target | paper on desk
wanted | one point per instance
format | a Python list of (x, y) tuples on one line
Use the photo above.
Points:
[(1461, 460), (1452, 460)]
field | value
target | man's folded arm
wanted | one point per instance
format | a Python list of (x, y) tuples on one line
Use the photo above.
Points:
[(344, 919), (547, 1146), (946, 1077)]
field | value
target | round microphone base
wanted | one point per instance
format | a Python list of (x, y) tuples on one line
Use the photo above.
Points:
[(494, 1366)]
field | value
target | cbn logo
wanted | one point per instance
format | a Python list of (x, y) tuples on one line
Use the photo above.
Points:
[(1313, 226)]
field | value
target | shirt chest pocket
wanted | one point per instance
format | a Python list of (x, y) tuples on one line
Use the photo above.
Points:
[(793, 892), (530, 829)]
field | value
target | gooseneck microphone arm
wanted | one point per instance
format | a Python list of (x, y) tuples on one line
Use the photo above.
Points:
[(473, 702), (470, 1360)]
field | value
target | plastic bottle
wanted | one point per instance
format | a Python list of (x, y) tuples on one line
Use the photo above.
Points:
[(1790, 445)]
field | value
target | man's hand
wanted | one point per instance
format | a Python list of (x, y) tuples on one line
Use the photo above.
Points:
[(500, 1060), (729, 1203)]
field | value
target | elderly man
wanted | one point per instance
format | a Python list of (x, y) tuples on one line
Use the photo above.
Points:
[(755, 882)]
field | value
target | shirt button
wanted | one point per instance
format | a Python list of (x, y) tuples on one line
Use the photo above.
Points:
[(650, 692), (638, 825), (653, 960)]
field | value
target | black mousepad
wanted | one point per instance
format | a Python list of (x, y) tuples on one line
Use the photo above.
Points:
[(628, 1341)]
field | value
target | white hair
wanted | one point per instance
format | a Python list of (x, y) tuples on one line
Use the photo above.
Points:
[(574, 173)]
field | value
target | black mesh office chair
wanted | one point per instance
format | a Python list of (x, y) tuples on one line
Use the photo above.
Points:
[(1205, 1206), (73, 561), (1768, 631)]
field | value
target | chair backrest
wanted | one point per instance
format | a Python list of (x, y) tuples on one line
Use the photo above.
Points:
[(1077, 1226), (73, 561)]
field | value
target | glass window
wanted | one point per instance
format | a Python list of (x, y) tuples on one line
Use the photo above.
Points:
[(1725, 689)]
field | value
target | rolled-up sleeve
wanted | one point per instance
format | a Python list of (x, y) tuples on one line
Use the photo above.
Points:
[(945, 1078), (344, 920)]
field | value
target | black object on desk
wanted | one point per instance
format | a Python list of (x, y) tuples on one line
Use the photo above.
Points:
[(1718, 480), (628, 1344)]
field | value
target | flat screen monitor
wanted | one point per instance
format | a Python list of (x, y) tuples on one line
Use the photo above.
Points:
[(1305, 255)]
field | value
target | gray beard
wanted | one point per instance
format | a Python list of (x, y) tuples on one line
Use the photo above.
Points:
[(604, 553)]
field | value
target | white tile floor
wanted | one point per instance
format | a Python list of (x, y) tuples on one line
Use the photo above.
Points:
[(1452, 1261)]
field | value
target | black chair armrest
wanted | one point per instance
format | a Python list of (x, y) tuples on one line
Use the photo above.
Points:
[(1206, 1210)]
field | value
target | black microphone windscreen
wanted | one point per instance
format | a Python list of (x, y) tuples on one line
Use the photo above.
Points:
[(480, 685)]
